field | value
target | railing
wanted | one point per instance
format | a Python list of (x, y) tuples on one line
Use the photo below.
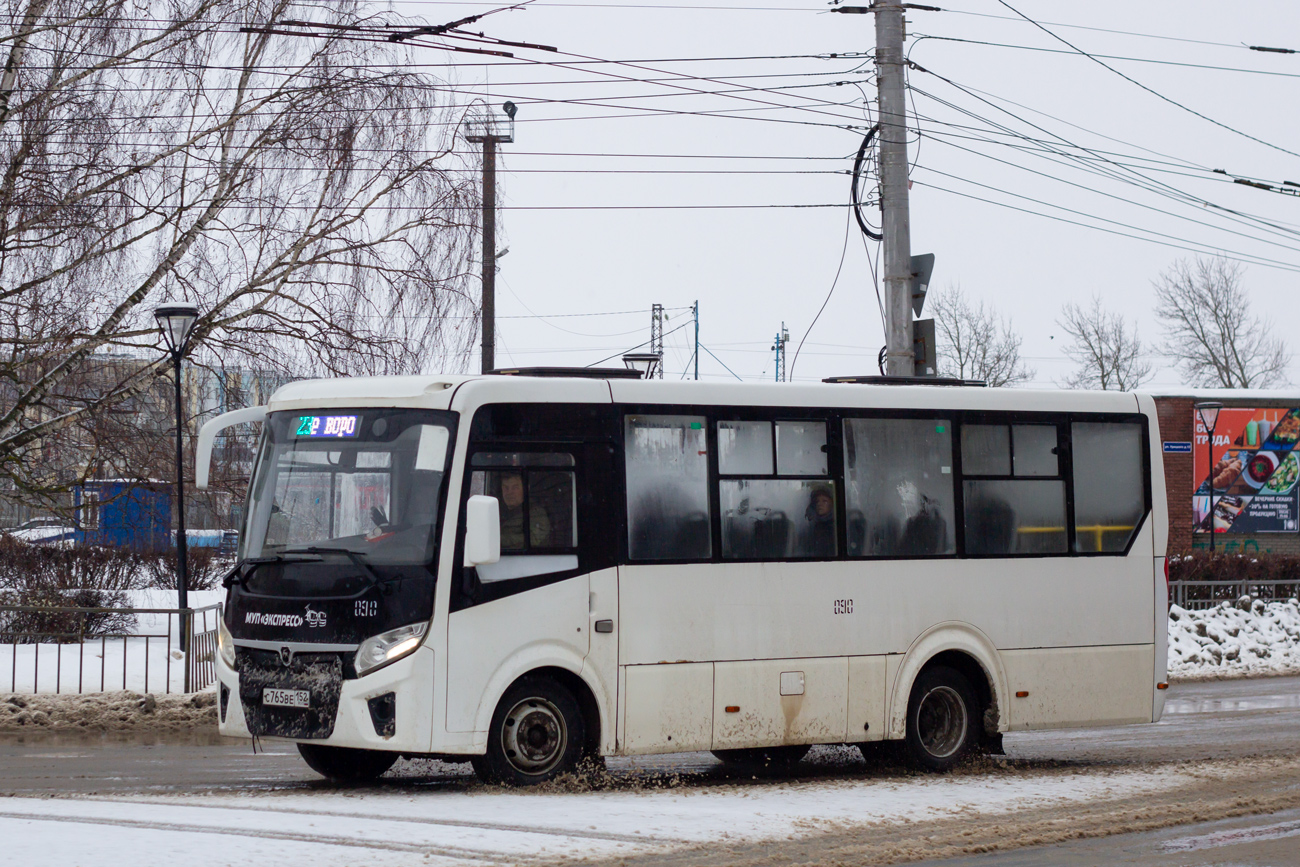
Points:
[(140, 658), (1200, 595)]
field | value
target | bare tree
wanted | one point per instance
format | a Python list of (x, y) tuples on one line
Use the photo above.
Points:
[(975, 342), (1108, 354), (1209, 331), (304, 193)]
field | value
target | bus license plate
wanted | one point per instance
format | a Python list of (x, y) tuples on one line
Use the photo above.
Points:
[(286, 697)]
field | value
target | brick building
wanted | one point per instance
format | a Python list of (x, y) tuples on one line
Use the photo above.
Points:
[(1178, 425)]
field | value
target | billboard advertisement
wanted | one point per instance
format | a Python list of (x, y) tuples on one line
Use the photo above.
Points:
[(1253, 466)]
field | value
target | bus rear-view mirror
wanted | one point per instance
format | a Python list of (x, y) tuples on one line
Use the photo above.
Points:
[(482, 531)]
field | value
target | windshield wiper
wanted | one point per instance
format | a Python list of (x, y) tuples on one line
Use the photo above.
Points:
[(239, 575), (355, 556)]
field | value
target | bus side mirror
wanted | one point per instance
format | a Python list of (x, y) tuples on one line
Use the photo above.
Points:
[(482, 531)]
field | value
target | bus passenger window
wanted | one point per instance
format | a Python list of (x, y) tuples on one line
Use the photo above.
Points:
[(1020, 516), (899, 487), (667, 466), (777, 519), (745, 448), (801, 448), (1109, 494), (1022, 511)]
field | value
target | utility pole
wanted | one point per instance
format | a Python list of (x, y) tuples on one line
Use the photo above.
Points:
[(778, 345), (490, 129), (657, 337), (897, 242), (695, 311)]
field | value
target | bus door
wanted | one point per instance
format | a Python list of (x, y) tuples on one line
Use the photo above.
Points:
[(555, 583)]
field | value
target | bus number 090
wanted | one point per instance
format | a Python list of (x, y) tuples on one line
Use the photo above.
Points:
[(843, 606)]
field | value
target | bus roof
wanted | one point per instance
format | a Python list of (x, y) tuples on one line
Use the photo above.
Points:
[(467, 392)]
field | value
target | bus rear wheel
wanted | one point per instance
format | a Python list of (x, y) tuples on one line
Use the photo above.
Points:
[(537, 734), (346, 765), (942, 719), (763, 759)]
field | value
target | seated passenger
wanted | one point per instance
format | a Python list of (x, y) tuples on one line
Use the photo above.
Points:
[(512, 517), (818, 537)]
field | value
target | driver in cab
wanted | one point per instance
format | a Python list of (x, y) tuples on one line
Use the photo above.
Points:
[(512, 517)]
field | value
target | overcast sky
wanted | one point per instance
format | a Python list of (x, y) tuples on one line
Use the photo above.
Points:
[(595, 226)]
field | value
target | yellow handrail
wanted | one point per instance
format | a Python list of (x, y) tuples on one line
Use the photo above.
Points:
[(1097, 529)]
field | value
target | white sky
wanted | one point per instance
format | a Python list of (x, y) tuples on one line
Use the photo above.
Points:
[(753, 268)]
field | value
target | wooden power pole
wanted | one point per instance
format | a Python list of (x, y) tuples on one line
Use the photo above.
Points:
[(490, 129)]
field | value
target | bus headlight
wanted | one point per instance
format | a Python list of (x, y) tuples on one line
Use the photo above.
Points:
[(225, 643), (386, 647)]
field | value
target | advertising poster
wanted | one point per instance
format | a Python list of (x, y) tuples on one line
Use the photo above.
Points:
[(1254, 466)]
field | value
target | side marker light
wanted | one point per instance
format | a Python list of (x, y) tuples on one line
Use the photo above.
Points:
[(1022, 694)]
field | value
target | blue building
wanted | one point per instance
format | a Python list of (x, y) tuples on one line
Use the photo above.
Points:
[(124, 513)]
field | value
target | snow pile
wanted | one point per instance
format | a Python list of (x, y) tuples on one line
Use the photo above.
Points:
[(104, 712), (1252, 637)]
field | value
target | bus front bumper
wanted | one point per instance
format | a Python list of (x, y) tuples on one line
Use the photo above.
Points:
[(387, 709)]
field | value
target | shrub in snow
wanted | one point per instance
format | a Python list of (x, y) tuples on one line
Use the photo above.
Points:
[(1249, 636), (1241, 569)]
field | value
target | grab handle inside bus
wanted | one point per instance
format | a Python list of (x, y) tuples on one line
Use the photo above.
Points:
[(208, 435), (482, 531)]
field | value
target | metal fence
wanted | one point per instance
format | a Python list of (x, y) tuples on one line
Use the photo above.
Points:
[(1200, 595), (134, 656)]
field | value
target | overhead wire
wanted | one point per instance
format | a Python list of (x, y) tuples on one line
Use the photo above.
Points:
[(1149, 90)]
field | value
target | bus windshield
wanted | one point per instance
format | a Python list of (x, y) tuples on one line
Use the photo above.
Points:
[(348, 482)]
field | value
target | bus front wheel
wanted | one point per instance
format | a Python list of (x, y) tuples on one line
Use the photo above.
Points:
[(537, 734), (942, 719), (345, 765)]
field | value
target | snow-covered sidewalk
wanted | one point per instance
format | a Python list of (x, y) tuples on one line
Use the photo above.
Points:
[(1254, 638)]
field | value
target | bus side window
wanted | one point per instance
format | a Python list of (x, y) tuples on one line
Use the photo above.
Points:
[(1109, 494), (1016, 507), (899, 487), (667, 487)]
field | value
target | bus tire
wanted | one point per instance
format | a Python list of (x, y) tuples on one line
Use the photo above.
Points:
[(346, 765), (942, 719), (763, 759), (537, 734)]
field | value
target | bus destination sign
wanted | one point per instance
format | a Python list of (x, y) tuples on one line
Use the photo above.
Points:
[(327, 426)]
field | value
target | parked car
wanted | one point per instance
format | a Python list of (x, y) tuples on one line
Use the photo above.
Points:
[(38, 531)]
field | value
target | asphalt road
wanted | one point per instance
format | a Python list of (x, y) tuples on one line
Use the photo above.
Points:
[(1212, 720), (1247, 732)]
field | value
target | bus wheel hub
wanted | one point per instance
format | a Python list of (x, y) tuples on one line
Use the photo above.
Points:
[(534, 735)]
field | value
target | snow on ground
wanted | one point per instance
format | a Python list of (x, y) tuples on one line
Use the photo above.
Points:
[(149, 661), (1249, 639), (496, 826)]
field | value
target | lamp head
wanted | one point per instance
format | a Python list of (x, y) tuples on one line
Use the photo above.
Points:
[(1208, 411), (646, 362), (175, 321), (510, 109)]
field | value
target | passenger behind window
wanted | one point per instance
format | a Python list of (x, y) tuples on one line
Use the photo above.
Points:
[(990, 526), (817, 537), (926, 532), (512, 517)]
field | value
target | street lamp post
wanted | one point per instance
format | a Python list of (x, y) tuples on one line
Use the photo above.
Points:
[(176, 321), (1208, 412)]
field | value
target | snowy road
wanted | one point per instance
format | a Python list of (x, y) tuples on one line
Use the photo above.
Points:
[(1224, 751)]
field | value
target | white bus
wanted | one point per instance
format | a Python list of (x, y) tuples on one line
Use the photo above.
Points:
[(527, 570)]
